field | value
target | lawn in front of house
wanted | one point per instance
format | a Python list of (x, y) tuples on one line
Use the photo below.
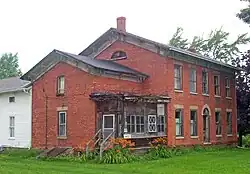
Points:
[(222, 162)]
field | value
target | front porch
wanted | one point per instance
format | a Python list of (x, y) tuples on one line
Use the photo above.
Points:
[(137, 117)]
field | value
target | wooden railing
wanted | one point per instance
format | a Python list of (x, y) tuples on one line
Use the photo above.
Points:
[(93, 139), (105, 143)]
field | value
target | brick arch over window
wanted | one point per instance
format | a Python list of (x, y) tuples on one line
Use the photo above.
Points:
[(204, 108), (119, 55)]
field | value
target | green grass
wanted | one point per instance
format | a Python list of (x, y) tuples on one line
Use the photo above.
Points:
[(223, 162)]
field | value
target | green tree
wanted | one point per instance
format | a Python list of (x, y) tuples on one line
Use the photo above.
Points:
[(244, 13), (215, 45), (9, 66)]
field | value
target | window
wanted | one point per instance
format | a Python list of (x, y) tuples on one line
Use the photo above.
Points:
[(204, 82), (62, 124), (12, 126), (119, 55), (11, 99), (227, 83), (229, 123), (193, 123), (60, 85), (216, 85), (192, 80), (178, 77), (218, 123), (160, 118), (135, 123), (179, 123)]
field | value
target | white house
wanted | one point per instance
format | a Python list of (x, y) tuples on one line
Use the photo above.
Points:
[(15, 113)]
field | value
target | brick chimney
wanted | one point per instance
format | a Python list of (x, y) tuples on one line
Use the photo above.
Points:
[(121, 24)]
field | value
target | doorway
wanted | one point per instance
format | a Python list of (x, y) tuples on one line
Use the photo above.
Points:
[(206, 125), (108, 125)]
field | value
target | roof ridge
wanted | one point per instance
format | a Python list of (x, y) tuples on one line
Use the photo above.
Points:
[(179, 50), (172, 48)]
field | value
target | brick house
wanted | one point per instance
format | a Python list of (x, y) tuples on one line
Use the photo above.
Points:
[(123, 85)]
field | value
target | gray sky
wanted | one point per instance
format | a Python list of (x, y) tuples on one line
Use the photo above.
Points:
[(34, 28)]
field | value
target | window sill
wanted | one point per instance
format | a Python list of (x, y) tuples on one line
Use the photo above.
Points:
[(194, 137), (62, 137), (119, 58), (218, 136), (217, 96), (229, 98), (206, 95), (178, 138), (207, 143), (229, 135), (193, 93), (178, 91), (59, 94), (11, 138)]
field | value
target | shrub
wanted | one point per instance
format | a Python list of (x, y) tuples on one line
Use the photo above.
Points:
[(124, 143), (246, 140), (23, 153), (119, 152), (72, 158), (159, 151), (160, 140)]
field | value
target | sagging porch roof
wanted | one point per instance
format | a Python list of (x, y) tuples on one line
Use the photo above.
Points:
[(147, 98)]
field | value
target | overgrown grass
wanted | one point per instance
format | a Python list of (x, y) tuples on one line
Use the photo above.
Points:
[(20, 153), (203, 161)]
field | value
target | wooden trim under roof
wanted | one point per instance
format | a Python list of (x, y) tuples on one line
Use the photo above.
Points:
[(112, 35)]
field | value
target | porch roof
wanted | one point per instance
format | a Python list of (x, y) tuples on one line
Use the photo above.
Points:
[(149, 98)]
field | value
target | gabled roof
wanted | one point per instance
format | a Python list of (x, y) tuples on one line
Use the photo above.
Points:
[(113, 35), (12, 84), (82, 62), (104, 64)]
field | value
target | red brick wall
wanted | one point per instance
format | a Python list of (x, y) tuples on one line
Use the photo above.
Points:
[(161, 81), (81, 110)]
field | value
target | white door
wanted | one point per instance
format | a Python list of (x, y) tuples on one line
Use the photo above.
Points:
[(108, 125)]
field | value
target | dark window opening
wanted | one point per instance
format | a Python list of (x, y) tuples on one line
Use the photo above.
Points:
[(119, 55), (11, 99)]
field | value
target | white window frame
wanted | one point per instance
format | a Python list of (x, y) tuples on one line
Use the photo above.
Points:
[(60, 84), (152, 124), (194, 125), (217, 85), (218, 124), (178, 79), (131, 126), (181, 130), (160, 116), (193, 81), (227, 86), (205, 83), (229, 124), (62, 124), (12, 127)]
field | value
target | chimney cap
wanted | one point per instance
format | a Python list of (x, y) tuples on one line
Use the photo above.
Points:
[(121, 17)]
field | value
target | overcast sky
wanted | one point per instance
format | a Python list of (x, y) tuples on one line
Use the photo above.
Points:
[(34, 28)]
